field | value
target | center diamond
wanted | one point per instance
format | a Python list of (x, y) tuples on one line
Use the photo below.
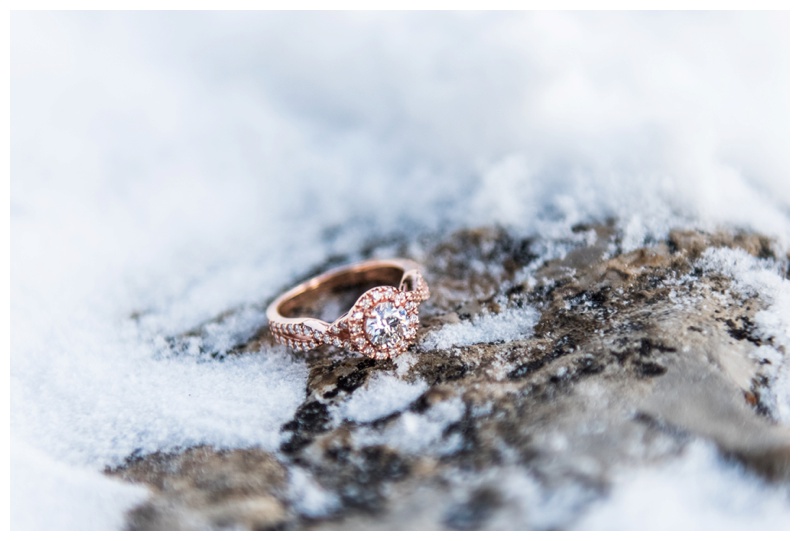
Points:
[(388, 325)]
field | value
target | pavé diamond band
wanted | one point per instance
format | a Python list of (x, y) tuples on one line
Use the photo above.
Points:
[(382, 323)]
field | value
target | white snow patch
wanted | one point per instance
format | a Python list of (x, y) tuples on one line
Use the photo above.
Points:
[(308, 496), (50, 495), (405, 362), (696, 491), (699, 491), (380, 396), (757, 277), (101, 406), (508, 325), (420, 432), (527, 503)]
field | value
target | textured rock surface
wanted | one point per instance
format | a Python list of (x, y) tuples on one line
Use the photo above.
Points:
[(616, 360)]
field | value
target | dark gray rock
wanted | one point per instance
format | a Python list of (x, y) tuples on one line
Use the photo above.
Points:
[(634, 356)]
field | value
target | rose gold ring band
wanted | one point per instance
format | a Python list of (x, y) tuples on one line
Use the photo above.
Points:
[(382, 323)]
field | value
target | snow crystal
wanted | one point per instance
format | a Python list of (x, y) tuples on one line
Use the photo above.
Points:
[(380, 396), (510, 324), (405, 362)]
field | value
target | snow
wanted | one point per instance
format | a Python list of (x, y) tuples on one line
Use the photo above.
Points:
[(753, 277), (527, 503), (422, 432), (510, 324), (46, 492), (381, 395), (309, 498), (175, 165), (712, 494), (404, 362)]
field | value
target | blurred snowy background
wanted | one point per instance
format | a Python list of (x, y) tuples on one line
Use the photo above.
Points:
[(177, 164)]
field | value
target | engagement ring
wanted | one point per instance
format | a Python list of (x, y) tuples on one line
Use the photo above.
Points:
[(381, 324)]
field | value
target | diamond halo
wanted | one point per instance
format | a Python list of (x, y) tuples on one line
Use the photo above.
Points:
[(383, 322)]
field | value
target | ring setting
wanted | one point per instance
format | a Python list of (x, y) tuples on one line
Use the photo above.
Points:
[(381, 324)]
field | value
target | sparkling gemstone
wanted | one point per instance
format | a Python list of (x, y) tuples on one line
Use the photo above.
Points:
[(388, 325)]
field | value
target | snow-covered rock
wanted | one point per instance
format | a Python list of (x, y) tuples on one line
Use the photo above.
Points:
[(556, 172)]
